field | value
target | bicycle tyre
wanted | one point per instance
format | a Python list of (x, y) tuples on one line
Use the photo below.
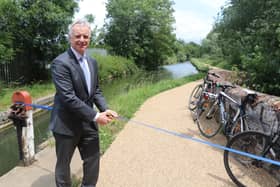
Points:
[(195, 96), (243, 170), (209, 125)]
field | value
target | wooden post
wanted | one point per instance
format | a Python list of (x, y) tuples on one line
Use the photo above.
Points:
[(28, 140)]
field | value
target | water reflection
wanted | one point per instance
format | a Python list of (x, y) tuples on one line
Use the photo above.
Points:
[(9, 156), (181, 70)]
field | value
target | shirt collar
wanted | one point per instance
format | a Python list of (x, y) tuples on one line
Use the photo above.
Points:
[(77, 55)]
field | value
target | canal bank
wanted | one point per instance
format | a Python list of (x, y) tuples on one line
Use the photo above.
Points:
[(5, 122), (173, 164), (9, 157), (142, 156), (8, 145)]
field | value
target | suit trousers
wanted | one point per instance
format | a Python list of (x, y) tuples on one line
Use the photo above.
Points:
[(88, 145)]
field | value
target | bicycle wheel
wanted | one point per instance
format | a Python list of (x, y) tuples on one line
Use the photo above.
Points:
[(195, 96), (243, 170), (207, 118)]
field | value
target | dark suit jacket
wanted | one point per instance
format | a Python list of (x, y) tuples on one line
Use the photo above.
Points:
[(73, 106)]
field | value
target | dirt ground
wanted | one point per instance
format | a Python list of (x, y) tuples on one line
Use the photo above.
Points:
[(146, 157)]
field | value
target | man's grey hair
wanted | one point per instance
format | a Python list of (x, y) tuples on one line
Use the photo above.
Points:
[(78, 22)]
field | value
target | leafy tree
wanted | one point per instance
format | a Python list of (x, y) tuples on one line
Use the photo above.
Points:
[(35, 33), (249, 39), (90, 18), (179, 49), (210, 45), (8, 12), (192, 50), (141, 30)]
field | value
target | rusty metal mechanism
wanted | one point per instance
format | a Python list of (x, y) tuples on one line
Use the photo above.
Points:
[(17, 113)]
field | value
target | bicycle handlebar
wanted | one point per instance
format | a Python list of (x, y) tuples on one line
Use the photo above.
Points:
[(225, 86), (214, 74)]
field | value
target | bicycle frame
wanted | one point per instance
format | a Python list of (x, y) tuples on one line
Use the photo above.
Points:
[(224, 116)]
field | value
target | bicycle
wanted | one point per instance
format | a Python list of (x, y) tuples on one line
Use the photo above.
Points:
[(245, 171), (213, 116), (207, 85)]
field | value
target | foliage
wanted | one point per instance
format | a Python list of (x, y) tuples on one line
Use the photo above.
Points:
[(249, 38), (111, 67), (210, 45), (8, 14), (179, 50), (192, 50), (200, 64), (207, 62), (93, 38), (141, 30), (184, 51), (33, 33)]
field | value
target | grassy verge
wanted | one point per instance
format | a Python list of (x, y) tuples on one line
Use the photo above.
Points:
[(127, 104), (110, 67), (37, 91), (206, 63)]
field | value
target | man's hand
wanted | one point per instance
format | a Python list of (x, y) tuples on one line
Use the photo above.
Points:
[(106, 117), (112, 114)]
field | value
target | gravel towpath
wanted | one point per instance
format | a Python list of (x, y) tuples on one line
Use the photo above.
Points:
[(145, 157)]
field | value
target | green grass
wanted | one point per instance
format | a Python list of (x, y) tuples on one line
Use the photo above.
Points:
[(36, 91), (76, 181), (110, 67), (205, 63), (127, 104), (200, 64)]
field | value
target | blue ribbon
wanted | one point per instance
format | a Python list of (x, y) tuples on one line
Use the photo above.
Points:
[(37, 106), (178, 135), (204, 142)]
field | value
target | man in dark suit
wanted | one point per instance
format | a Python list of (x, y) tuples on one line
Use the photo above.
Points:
[(74, 120)]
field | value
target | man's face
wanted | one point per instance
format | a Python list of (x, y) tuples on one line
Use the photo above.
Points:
[(80, 38)]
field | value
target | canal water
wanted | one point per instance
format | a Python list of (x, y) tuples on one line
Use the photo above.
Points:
[(9, 156)]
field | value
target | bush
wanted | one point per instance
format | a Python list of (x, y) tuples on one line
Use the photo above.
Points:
[(114, 67)]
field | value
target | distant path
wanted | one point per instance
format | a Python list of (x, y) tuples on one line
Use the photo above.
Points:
[(143, 157)]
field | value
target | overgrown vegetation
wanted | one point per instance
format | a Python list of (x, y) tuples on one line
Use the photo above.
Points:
[(247, 36), (109, 67), (205, 63), (32, 33), (141, 30)]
